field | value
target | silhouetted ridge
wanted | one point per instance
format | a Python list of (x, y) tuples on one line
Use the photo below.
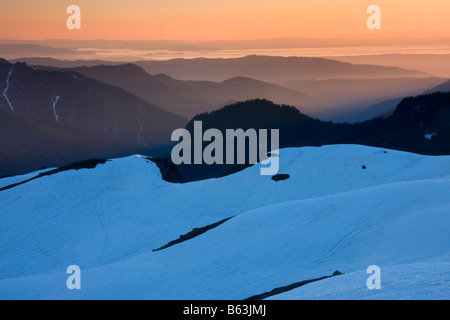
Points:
[(443, 87), (419, 124), (257, 113), (269, 68), (422, 106)]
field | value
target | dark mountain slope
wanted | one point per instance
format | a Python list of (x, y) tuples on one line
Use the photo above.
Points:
[(29, 144), (420, 124), (296, 129), (53, 118), (75, 100)]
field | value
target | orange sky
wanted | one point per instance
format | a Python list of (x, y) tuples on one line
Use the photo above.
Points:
[(222, 19)]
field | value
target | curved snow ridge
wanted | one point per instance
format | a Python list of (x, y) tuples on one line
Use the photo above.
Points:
[(91, 217), (418, 281), (61, 175), (272, 246)]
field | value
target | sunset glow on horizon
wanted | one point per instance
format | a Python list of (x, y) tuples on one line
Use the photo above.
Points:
[(208, 20)]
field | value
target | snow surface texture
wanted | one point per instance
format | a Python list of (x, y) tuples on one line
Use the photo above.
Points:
[(54, 102), (4, 93), (331, 214), (420, 281), (429, 136)]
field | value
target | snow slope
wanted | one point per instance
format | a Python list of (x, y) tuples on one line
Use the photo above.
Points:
[(329, 215), (418, 281)]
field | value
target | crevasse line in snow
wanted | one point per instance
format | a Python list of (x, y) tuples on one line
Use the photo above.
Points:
[(7, 88), (54, 107)]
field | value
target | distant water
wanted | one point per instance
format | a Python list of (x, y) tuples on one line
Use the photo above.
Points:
[(134, 55)]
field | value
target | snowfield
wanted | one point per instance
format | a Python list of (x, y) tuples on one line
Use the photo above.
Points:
[(420, 281), (344, 207)]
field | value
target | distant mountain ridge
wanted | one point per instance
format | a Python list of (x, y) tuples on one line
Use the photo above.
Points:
[(433, 63), (347, 100), (189, 98), (265, 68), (57, 63), (387, 107), (271, 68)]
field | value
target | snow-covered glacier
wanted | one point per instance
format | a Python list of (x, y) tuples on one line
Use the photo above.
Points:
[(344, 207)]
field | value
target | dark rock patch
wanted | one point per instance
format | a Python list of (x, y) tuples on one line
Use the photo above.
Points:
[(192, 234), (169, 170), (280, 177), (289, 287), (87, 164)]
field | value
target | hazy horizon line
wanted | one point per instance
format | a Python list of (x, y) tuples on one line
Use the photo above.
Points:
[(139, 50)]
